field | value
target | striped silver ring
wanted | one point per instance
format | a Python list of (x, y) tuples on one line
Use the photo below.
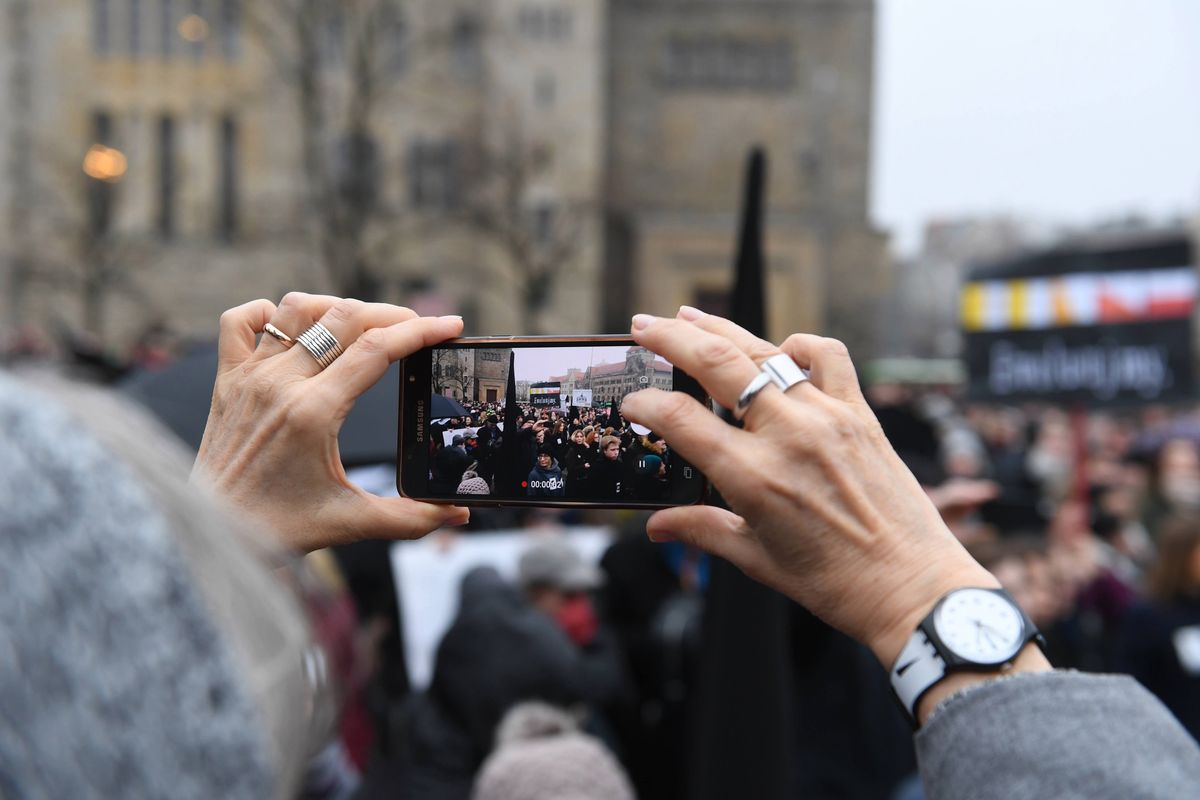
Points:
[(321, 344)]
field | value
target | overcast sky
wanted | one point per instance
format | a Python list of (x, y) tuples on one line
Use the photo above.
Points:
[(1063, 110), (541, 363)]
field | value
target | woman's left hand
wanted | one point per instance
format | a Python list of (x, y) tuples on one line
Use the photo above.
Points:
[(271, 443)]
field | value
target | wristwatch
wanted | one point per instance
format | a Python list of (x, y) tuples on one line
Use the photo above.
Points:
[(969, 630)]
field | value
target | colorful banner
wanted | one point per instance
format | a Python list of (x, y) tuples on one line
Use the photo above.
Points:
[(545, 394), (1091, 327)]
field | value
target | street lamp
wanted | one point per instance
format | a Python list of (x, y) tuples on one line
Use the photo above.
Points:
[(105, 163)]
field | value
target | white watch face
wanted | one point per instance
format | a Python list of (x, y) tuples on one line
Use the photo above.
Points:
[(979, 626)]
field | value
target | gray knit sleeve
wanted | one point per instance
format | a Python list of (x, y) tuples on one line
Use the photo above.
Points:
[(1057, 734)]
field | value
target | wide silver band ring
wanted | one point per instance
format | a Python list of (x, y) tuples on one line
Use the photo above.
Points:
[(784, 372), (760, 381), (278, 334), (321, 344)]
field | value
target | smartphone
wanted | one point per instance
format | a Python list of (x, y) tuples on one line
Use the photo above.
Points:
[(535, 421)]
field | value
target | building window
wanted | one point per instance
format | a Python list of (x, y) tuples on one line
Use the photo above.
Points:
[(166, 27), (433, 175), (101, 26), (466, 51), (544, 91), (166, 176), (332, 42), (135, 27), (395, 39), (227, 201), (724, 62), (544, 23), (543, 223), (231, 28)]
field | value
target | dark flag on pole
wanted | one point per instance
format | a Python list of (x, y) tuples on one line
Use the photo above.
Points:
[(614, 416), (507, 481), (745, 744)]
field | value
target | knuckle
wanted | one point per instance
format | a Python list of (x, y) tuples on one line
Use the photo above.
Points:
[(293, 301), (345, 309), (676, 410), (795, 342), (716, 352), (835, 347), (372, 341)]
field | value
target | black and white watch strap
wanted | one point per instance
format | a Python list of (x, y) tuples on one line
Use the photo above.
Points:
[(919, 667)]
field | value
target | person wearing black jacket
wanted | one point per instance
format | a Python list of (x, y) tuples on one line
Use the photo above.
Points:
[(577, 465), (500, 650), (1160, 645), (610, 476)]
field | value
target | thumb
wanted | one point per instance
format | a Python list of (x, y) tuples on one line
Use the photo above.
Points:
[(713, 530), (402, 518)]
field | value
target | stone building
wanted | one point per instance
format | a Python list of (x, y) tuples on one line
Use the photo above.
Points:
[(611, 382), (693, 86), (535, 165), (230, 188), (471, 375)]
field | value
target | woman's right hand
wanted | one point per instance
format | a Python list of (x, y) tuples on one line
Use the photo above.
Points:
[(823, 508)]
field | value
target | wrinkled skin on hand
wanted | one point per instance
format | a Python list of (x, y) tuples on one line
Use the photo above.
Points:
[(270, 446), (823, 509)]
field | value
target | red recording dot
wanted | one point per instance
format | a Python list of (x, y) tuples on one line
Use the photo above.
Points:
[(524, 484)]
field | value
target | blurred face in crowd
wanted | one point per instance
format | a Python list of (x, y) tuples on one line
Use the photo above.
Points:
[(613, 451), (544, 460), (551, 599), (577, 437), (1179, 473)]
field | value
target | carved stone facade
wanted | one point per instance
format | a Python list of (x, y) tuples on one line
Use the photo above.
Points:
[(694, 86)]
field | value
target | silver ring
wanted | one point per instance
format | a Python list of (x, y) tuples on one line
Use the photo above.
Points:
[(320, 344), (783, 371), (760, 381), (278, 334)]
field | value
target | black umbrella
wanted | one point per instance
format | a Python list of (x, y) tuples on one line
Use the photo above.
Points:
[(745, 738), (446, 407), (180, 394)]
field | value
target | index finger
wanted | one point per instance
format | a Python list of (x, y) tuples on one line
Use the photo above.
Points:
[(694, 431), (723, 368), (368, 358)]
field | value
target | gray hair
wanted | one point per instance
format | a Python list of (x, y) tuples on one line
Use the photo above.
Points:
[(230, 565)]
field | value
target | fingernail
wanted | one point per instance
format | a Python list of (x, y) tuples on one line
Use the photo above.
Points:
[(453, 316), (642, 321), (661, 536), (690, 314)]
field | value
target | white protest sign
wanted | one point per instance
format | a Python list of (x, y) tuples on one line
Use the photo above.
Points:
[(582, 398), (429, 571), (466, 433)]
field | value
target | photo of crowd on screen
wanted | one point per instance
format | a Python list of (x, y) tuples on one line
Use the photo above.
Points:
[(569, 440)]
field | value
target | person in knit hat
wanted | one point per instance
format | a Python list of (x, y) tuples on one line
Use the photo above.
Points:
[(542, 755), (472, 483)]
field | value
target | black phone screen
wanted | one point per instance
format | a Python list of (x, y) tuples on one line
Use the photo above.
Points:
[(540, 424)]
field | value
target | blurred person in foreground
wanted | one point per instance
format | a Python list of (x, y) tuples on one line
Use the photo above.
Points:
[(823, 511), (1161, 642), (536, 641)]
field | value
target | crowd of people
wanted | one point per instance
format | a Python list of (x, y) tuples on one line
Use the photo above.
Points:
[(584, 454), (1091, 520)]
